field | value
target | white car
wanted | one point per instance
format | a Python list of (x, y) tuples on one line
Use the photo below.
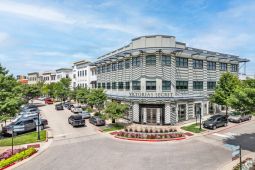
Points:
[(41, 98), (76, 109)]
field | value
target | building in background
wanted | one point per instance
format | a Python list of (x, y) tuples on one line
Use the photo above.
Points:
[(84, 75), (63, 73), (163, 80), (245, 77), (22, 79), (48, 77), (33, 77)]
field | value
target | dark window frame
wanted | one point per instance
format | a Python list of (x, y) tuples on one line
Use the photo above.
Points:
[(166, 60), (198, 85), (211, 85), (181, 62), (136, 61), (151, 85), (136, 85), (197, 64), (151, 60), (182, 85), (120, 85), (127, 85), (127, 64), (166, 85), (211, 65), (120, 65), (223, 66)]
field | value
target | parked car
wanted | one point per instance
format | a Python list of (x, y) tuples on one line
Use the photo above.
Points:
[(95, 120), (59, 107), (70, 106), (237, 117), (28, 106), (76, 120), (66, 104), (48, 101), (85, 114), (215, 121), (41, 98), (33, 109), (76, 109), (22, 125)]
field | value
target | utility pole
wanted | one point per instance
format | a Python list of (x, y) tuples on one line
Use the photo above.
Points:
[(200, 117), (12, 138), (240, 152), (38, 127)]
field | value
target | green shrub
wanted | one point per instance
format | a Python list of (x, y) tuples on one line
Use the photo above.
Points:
[(89, 109), (17, 157)]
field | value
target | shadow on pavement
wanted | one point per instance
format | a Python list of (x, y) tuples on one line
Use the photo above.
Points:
[(247, 141)]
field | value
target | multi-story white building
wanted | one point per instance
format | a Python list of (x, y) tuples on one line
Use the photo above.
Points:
[(48, 77), (163, 80), (33, 78), (63, 73), (84, 75)]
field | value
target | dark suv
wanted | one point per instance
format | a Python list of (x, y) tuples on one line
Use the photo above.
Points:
[(215, 122), (59, 107), (76, 120)]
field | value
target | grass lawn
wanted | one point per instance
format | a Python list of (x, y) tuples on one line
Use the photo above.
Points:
[(112, 127), (193, 128), (23, 139)]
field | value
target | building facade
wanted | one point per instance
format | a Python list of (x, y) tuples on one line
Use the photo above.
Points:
[(63, 73), (162, 80), (48, 77), (33, 78), (84, 75)]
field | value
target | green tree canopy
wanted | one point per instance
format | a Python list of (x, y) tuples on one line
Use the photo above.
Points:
[(30, 91), (10, 96), (82, 94), (97, 97), (114, 110), (225, 87)]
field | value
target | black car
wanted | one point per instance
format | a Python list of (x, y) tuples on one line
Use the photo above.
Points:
[(76, 120), (95, 120), (70, 106), (59, 107), (66, 104), (215, 121)]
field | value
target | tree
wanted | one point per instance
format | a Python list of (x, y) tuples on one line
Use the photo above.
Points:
[(243, 100), (48, 89), (30, 91), (10, 96), (82, 94), (62, 88), (115, 110), (97, 97), (226, 86)]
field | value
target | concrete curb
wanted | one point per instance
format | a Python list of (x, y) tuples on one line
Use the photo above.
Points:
[(41, 150)]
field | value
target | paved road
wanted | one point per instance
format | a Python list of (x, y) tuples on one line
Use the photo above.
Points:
[(86, 148)]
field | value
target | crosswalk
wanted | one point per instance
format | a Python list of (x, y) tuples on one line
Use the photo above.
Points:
[(228, 135)]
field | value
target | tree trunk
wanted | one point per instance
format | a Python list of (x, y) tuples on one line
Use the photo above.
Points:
[(226, 110), (113, 120)]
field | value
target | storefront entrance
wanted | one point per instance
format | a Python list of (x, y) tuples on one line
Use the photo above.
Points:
[(151, 114), (182, 111)]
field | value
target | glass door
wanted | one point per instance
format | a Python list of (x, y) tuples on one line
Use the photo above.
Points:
[(151, 115), (182, 112)]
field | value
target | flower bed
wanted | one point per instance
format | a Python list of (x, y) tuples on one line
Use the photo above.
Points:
[(17, 157), (149, 136), (150, 130), (8, 153)]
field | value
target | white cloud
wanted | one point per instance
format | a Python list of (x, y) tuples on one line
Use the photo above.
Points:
[(36, 12), (3, 37)]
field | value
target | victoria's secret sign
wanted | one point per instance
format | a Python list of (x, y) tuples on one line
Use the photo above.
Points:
[(149, 94)]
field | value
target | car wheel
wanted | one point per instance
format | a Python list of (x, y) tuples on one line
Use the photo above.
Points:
[(240, 121), (225, 124), (214, 127)]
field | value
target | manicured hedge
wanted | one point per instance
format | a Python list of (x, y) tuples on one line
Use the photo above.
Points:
[(17, 157)]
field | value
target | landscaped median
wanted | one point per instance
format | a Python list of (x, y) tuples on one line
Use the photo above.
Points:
[(112, 127), (149, 134), (8, 159), (24, 139)]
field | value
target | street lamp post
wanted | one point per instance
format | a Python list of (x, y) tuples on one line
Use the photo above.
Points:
[(12, 138), (38, 126)]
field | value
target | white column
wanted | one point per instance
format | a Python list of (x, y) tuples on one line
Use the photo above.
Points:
[(158, 115), (144, 115), (136, 112), (167, 114)]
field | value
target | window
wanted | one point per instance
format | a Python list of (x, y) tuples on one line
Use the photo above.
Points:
[(166, 60), (182, 85), (211, 85), (108, 85), (120, 85), (108, 68), (113, 85), (98, 70), (85, 72), (234, 67), (150, 85), (136, 61), (198, 64), (103, 85), (151, 60), (136, 85), (98, 85), (181, 62), (114, 66), (120, 65), (127, 64), (166, 85), (223, 66), (103, 69), (211, 65), (197, 85), (127, 86)]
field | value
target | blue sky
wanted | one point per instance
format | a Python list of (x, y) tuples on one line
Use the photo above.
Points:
[(38, 35)]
